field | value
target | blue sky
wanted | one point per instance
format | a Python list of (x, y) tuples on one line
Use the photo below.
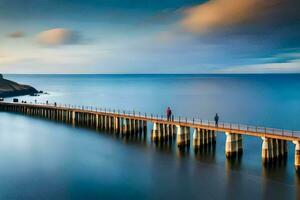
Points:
[(149, 36)]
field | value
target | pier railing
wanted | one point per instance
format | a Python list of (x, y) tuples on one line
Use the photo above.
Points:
[(193, 122)]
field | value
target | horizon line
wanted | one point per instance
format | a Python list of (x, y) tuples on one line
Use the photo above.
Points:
[(266, 73)]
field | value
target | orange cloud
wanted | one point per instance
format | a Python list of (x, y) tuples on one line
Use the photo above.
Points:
[(224, 13), (17, 34), (57, 36)]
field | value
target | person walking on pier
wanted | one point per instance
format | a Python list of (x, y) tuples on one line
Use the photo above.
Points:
[(216, 119), (169, 113)]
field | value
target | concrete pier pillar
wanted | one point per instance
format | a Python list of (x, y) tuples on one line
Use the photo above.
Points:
[(82, 119), (90, 120), (133, 121), (121, 122), (105, 122), (102, 122), (66, 115), (267, 150), (116, 124), (130, 126), (97, 121), (234, 145), (168, 132), (73, 118), (183, 136), (135, 125), (109, 122), (125, 125), (202, 137), (163, 132), (101, 125), (297, 155), (196, 138), (155, 132), (206, 136), (273, 149), (141, 126)]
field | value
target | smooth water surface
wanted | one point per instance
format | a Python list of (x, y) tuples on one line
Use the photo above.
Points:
[(41, 159)]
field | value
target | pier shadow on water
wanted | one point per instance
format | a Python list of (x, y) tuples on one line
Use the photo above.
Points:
[(234, 163), (164, 146), (275, 169), (183, 151), (206, 153), (139, 137)]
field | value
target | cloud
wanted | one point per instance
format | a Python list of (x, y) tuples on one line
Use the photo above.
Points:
[(17, 34), (216, 14), (289, 67), (58, 36)]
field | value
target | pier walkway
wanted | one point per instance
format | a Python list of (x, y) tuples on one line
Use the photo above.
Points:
[(274, 141)]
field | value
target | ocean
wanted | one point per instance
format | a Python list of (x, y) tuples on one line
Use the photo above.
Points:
[(42, 159)]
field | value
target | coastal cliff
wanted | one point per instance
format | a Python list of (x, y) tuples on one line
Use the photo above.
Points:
[(10, 88)]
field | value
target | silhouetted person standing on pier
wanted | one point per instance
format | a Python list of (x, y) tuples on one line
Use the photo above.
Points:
[(216, 119), (169, 113)]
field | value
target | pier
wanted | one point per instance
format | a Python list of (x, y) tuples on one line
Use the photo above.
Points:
[(186, 132)]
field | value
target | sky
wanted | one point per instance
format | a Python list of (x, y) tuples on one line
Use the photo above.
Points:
[(149, 36)]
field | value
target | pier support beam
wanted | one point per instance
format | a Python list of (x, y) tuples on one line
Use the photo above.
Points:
[(202, 137), (160, 132), (155, 134), (73, 118), (110, 123), (116, 124), (297, 155), (234, 145), (97, 122), (183, 136), (125, 127), (273, 149)]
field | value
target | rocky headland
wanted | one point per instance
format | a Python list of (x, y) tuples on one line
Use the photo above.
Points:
[(10, 88)]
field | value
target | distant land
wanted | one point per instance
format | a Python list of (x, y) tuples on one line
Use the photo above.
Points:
[(10, 88)]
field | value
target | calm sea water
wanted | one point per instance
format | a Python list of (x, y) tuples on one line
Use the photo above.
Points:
[(41, 159)]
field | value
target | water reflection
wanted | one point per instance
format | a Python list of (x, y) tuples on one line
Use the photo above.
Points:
[(206, 153), (164, 146), (234, 163), (273, 173), (275, 169), (183, 151), (140, 138)]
